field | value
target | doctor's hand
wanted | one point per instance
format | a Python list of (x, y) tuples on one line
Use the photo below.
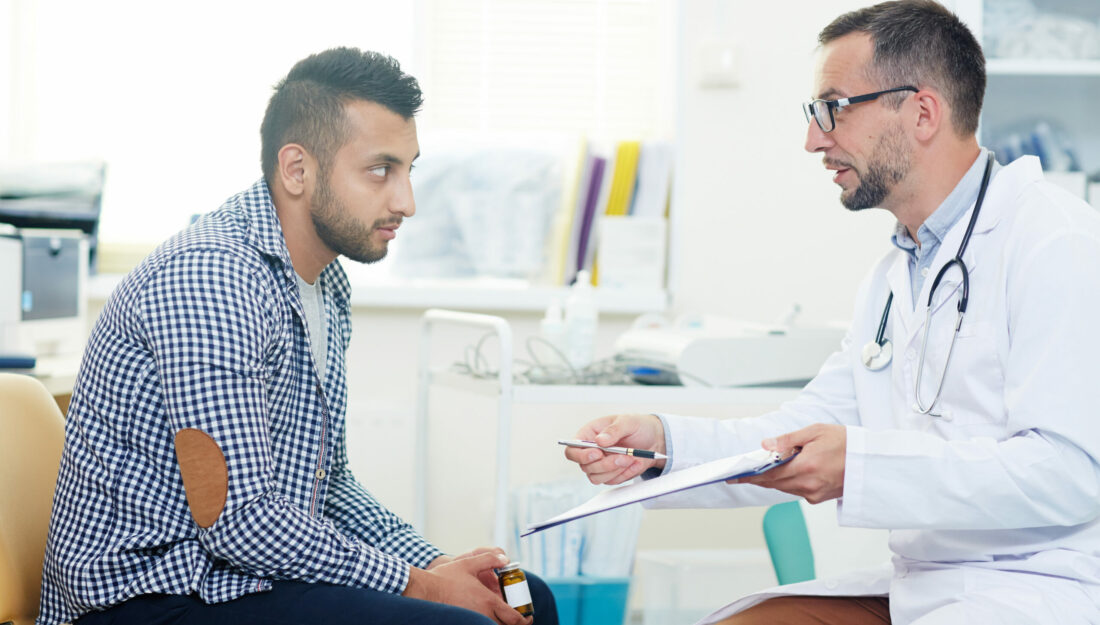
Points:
[(637, 431), (817, 472)]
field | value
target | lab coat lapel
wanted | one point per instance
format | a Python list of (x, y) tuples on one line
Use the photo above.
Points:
[(1005, 186), (901, 311)]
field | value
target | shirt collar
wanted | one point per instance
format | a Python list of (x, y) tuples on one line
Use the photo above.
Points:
[(262, 228), (265, 233), (953, 207)]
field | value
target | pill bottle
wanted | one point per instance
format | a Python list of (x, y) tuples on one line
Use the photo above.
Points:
[(513, 583)]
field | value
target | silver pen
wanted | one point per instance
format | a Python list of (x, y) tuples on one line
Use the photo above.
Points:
[(628, 451)]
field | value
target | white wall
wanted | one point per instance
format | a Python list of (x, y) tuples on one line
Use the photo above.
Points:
[(761, 224)]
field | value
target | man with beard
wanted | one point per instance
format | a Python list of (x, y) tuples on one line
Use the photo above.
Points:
[(961, 410), (205, 475)]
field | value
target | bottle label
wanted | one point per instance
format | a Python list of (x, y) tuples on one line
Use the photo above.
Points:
[(517, 594)]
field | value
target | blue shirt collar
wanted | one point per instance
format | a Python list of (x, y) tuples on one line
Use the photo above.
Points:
[(954, 206)]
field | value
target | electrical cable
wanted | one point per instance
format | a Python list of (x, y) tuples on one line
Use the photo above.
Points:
[(614, 370)]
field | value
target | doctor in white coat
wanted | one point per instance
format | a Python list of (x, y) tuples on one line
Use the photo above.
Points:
[(989, 480)]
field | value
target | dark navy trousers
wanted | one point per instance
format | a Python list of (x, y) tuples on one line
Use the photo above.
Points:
[(301, 603)]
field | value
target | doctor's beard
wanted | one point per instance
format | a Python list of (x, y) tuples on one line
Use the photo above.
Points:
[(889, 165)]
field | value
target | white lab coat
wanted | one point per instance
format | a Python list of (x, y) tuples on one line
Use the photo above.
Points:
[(993, 507)]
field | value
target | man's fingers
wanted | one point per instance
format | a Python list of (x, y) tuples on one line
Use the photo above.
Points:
[(789, 481), (489, 580), (481, 562), (605, 464), (768, 478), (481, 550), (506, 614), (789, 441), (617, 475), (616, 431), (582, 455), (589, 430)]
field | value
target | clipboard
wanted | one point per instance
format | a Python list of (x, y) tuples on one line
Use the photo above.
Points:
[(743, 465)]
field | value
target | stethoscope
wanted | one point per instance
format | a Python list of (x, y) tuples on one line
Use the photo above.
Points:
[(878, 353)]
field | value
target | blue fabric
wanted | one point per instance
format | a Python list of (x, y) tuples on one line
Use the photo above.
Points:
[(298, 603), (932, 232), (208, 333)]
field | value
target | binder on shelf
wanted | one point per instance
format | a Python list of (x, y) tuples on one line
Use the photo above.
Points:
[(562, 244), (633, 182), (654, 180), (625, 175), (585, 238)]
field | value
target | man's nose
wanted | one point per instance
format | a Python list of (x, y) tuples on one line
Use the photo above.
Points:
[(817, 140), (403, 201)]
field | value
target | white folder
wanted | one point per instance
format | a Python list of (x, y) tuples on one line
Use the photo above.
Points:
[(743, 465)]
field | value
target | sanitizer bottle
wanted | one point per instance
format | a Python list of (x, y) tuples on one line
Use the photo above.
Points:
[(581, 318), (552, 329)]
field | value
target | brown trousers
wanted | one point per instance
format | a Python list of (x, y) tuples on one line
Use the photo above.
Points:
[(815, 611)]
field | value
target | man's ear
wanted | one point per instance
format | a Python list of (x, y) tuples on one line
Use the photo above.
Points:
[(931, 114), (293, 168)]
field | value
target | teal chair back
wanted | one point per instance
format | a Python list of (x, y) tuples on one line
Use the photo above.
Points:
[(789, 543)]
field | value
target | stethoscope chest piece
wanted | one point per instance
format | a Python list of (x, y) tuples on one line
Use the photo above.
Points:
[(876, 356)]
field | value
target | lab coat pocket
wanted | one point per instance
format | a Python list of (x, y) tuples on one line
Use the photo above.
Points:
[(971, 402), (1011, 597)]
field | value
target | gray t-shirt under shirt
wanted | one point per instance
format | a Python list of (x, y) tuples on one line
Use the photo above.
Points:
[(313, 303)]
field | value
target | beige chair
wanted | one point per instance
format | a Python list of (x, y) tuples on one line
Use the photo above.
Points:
[(31, 438)]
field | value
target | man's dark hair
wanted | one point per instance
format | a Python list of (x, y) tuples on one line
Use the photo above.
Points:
[(307, 107), (920, 43)]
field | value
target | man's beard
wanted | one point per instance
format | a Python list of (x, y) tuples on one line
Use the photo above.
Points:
[(342, 233), (888, 166)]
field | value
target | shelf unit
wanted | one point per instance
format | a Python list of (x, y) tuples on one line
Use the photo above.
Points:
[(506, 394), (1042, 67), (484, 295), (1022, 91)]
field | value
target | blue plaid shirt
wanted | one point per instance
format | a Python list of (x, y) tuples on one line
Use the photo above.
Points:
[(208, 332)]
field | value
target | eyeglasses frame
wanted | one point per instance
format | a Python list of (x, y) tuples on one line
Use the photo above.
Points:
[(838, 104)]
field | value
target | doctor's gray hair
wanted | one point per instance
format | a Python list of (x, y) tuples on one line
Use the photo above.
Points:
[(921, 43), (307, 107)]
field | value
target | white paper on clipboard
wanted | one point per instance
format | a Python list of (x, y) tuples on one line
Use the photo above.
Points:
[(743, 465)]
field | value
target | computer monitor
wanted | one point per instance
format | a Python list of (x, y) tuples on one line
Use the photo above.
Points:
[(43, 302)]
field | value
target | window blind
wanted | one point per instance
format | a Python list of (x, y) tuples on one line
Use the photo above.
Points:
[(596, 67)]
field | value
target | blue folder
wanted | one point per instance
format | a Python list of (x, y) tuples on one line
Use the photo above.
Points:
[(16, 361)]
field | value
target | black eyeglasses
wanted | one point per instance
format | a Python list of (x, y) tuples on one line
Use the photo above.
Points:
[(822, 110)]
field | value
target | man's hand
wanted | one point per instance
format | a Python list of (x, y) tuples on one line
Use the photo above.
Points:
[(637, 431), (458, 583), (488, 578), (816, 473)]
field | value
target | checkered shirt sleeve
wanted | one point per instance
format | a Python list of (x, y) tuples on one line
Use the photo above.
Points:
[(210, 324), (355, 512)]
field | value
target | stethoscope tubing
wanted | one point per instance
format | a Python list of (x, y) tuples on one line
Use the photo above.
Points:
[(964, 300)]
